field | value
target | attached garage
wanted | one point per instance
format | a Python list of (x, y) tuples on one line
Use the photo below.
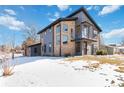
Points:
[(35, 49)]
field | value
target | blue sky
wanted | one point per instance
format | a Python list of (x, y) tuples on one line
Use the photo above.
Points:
[(15, 19)]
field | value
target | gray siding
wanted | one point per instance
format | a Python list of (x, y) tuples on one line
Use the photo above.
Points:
[(47, 38)]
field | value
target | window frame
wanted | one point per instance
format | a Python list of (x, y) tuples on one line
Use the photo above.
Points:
[(57, 39), (65, 27), (58, 27)]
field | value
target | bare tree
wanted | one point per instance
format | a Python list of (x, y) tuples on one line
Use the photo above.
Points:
[(122, 42), (31, 32)]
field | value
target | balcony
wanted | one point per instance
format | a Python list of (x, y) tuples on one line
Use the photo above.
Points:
[(87, 36)]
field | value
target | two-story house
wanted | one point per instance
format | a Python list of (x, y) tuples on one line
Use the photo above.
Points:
[(76, 34)]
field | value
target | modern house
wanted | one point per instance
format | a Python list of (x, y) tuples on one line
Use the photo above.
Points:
[(76, 34)]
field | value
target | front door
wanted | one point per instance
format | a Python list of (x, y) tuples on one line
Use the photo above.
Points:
[(85, 48), (78, 47)]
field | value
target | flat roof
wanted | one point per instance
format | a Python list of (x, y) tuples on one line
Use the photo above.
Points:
[(34, 44)]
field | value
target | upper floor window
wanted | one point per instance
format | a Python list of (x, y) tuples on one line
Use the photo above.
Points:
[(58, 29), (45, 32), (58, 39), (65, 27), (95, 33), (65, 38), (50, 30), (85, 31)]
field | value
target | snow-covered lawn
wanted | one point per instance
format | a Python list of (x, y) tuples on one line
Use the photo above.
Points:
[(56, 71)]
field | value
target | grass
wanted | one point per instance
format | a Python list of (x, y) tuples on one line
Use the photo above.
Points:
[(120, 69), (100, 59), (121, 85)]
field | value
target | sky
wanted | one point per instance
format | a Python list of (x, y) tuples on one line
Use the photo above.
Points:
[(14, 20)]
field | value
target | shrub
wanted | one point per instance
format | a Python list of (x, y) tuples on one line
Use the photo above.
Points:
[(67, 55), (7, 67), (101, 52)]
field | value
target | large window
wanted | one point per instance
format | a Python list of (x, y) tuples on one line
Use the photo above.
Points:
[(58, 39), (86, 32), (58, 29), (65, 39), (65, 27), (95, 33)]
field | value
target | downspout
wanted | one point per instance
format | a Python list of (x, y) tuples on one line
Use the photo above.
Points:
[(53, 40), (60, 39)]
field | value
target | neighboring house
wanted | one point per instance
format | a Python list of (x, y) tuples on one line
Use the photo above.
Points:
[(108, 49), (25, 47), (118, 50), (76, 34), (114, 49)]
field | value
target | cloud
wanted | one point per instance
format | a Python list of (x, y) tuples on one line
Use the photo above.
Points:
[(49, 5), (109, 9), (93, 7), (114, 33), (9, 12), (89, 8), (21, 7), (63, 7), (53, 17), (70, 9), (12, 23), (57, 14)]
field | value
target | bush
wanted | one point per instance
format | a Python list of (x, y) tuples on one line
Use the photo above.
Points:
[(101, 52), (7, 67), (67, 55)]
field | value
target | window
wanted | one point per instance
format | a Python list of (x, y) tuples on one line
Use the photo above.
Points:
[(95, 33), (35, 50), (58, 39), (72, 36), (45, 33), (58, 29), (65, 39), (50, 47), (45, 48), (65, 27), (86, 31), (50, 30)]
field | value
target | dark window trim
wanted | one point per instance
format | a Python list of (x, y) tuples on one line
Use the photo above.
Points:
[(65, 42)]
